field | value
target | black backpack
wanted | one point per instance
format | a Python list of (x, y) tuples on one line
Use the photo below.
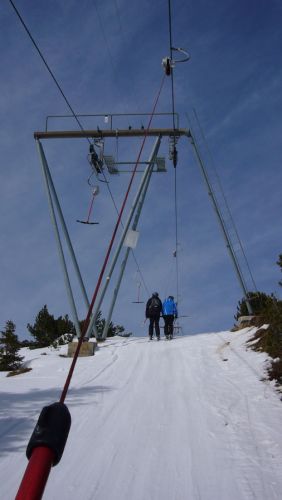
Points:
[(154, 306)]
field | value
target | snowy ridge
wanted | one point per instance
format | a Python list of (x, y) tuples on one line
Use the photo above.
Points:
[(187, 419)]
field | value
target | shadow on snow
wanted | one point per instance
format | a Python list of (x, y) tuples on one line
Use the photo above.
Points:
[(19, 412)]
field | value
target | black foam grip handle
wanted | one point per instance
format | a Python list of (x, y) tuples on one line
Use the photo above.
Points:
[(51, 430)]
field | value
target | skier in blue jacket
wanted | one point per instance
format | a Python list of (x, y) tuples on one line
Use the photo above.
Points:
[(169, 315)]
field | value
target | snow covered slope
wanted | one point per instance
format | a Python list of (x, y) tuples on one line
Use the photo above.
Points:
[(187, 419)]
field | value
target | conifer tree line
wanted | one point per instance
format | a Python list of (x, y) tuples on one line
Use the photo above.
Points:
[(45, 331), (267, 310), (9, 348), (279, 263)]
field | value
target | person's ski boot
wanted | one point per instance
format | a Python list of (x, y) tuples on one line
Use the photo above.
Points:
[(158, 338)]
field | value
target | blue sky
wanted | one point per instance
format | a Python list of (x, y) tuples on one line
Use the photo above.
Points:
[(107, 57)]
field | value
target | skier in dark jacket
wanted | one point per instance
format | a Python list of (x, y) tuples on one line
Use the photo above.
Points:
[(169, 315), (153, 312)]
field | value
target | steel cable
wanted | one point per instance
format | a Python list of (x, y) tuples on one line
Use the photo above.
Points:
[(72, 110)]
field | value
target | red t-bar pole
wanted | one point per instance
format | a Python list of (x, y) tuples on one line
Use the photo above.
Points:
[(36, 474)]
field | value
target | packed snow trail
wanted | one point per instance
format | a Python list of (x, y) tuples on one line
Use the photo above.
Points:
[(187, 419)]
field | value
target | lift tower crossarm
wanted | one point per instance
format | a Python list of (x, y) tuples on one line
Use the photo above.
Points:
[(77, 134)]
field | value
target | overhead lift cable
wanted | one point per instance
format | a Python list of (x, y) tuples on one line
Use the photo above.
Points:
[(169, 69), (72, 112), (47, 66), (176, 238), (49, 437), (132, 84), (169, 64), (174, 152), (172, 82)]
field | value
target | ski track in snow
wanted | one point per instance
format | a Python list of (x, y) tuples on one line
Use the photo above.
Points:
[(187, 419)]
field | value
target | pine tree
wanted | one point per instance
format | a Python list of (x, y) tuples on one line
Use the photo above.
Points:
[(268, 309), (9, 347), (115, 330), (258, 302), (64, 325), (44, 329), (279, 263), (100, 323), (47, 330)]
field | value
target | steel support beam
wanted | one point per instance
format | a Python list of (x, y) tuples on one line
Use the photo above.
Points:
[(96, 134), (127, 252), (221, 223), (45, 169), (67, 238), (120, 244)]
